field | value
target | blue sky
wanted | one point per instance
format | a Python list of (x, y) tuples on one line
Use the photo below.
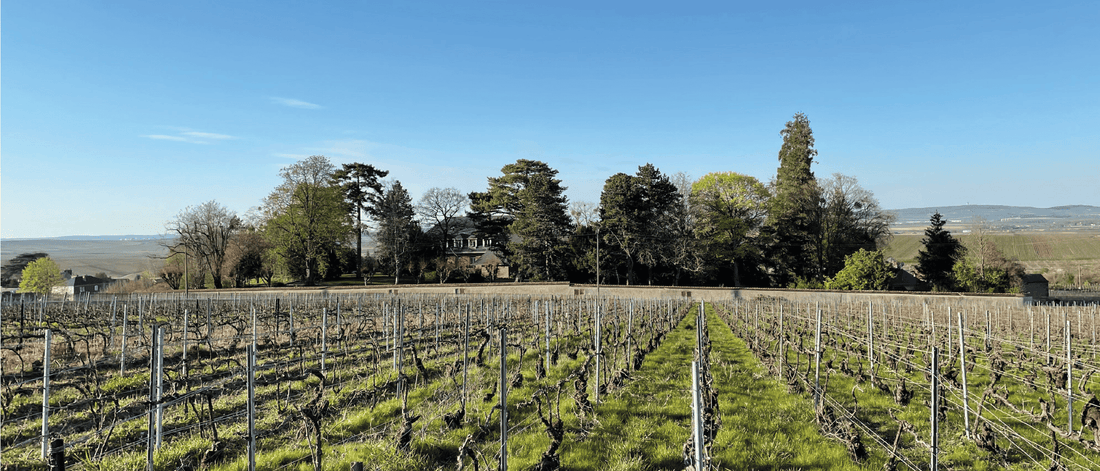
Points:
[(117, 115)]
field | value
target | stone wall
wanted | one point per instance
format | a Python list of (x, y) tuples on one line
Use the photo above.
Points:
[(690, 292)]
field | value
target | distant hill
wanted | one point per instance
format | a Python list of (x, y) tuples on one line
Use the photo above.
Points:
[(996, 213), (95, 237)]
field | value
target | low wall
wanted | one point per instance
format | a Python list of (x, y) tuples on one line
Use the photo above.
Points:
[(890, 297), (565, 289), (701, 293)]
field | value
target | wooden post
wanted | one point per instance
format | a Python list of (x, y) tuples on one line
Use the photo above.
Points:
[(122, 356), (599, 353), (111, 342), (1047, 313), (186, 326), (57, 455)]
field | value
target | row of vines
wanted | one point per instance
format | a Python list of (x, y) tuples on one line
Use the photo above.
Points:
[(1015, 387), (407, 372)]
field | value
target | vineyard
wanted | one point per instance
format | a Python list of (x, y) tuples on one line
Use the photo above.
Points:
[(410, 381)]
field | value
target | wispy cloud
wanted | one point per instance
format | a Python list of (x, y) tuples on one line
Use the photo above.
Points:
[(167, 138), (207, 135), (191, 137), (291, 102)]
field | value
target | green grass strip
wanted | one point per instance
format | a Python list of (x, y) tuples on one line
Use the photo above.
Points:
[(763, 426)]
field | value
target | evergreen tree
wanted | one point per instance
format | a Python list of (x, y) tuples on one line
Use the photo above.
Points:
[(635, 213), (396, 228), (793, 220), (363, 190), (529, 203), (937, 259)]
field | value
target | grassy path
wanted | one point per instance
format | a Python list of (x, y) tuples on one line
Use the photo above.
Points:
[(644, 425), (764, 426)]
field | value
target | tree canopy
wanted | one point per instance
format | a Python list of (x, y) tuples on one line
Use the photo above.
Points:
[(850, 220), (40, 276), (863, 270), (307, 218), (634, 212), (205, 232), (531, 202), (729, 208)]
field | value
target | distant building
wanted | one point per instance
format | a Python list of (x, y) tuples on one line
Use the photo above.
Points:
[(905, 277), (75, 286), (467, 249), (1036, 286)]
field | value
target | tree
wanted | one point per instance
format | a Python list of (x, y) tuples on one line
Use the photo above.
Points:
[(542, 227), (582, 266), (15, 267), (729, 209), (683, 253), (40, 276), (441, 207), (984, 268), (529, 203), (850, 220), (306, 216), (937, 259), (792, 222), (363, 190), (863, 270), (205, 231), (395, 227), (620, 220), (245, 259), (634, 211)]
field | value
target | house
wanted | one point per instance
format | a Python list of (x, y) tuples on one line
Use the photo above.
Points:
[(1036, 286), (75, 286), (905, 277), (467, 249)]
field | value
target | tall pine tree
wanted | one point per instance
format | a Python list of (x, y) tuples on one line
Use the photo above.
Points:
[(793, 220), (936, 260)]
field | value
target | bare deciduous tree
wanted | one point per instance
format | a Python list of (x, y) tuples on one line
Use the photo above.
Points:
[(204, 232), (441, 207)]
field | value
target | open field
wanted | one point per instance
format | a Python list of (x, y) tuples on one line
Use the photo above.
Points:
[(116, 258), (1055, 255)]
